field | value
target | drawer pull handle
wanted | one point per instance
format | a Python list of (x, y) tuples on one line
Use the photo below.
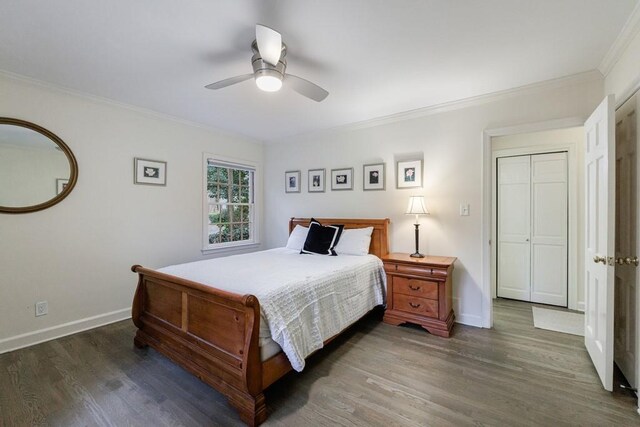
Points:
[(414, 288), (414, 305)]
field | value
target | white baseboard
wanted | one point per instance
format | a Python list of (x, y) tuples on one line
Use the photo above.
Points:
[(469, 319), (53, 332)]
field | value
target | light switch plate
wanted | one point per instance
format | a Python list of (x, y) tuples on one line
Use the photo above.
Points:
[(464, 209)]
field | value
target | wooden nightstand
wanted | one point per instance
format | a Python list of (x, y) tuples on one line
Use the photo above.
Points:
[(419, 291)]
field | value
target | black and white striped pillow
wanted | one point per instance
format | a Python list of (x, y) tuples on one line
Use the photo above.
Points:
[(321, 239)]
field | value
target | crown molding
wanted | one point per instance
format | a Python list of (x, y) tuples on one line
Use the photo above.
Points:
[(628, 32), (107, 101), (578, 78)]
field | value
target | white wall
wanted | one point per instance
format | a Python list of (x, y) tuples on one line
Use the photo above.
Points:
[(451, 143), (625, 74), (77, 255), (541, 138)]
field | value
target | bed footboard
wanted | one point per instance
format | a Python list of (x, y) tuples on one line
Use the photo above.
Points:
[(211, 333)]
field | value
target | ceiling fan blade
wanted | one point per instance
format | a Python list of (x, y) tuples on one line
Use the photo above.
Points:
[(230, 81), (269, 43), (306, 88)]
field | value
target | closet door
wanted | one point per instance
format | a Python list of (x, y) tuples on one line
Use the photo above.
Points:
[(549, 228), (514, 225)]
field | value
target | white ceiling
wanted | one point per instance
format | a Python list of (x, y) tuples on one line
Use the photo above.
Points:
[(375, 57)]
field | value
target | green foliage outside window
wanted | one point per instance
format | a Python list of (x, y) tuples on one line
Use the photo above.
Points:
[(230, 194)]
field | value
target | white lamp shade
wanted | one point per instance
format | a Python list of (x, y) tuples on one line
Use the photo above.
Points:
[(416, 206)]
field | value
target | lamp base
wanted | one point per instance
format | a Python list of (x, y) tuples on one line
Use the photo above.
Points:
[(416, 255)]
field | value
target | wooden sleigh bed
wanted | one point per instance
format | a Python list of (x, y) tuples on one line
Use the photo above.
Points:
[(214, 334)]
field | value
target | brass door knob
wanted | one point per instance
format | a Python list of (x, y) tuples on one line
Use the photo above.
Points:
[(627, 261)]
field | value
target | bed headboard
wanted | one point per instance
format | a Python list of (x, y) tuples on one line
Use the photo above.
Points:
[(379, 238)]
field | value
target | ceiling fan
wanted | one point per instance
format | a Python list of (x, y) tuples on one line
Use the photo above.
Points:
[(269, 65)]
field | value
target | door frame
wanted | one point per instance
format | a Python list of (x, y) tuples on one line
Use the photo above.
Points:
[(488, 250)]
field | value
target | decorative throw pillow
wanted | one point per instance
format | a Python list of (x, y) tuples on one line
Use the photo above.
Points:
[(297, 238), (354, 241), (321, 239)]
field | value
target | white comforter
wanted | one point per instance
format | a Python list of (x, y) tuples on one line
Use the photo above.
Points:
[(305, 299)]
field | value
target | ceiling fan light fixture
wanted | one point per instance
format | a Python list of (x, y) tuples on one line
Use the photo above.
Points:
[(269, 80), (269, 70)]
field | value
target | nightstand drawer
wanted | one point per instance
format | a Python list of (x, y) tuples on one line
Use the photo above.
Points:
[(413, 270), (422, 306), (415, 287)]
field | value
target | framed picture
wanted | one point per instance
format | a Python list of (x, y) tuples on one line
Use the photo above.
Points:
[(316, 181), (373, 177), (409, 174), (292, 182), (342, 179), (61, 184), (149, 172)]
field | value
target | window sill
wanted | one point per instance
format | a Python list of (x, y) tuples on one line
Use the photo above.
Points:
[(231, 248)]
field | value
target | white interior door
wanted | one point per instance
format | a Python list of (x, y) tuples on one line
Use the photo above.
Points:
[(599, 238), (625, 348), (514, 227), (549, 206), (532, 228)]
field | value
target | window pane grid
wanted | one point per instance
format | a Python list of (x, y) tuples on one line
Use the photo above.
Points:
[(230, 193)]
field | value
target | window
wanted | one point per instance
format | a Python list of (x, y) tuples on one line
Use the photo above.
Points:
[(230, 204)]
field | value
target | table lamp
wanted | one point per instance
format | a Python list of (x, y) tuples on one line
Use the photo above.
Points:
[(416, 207)]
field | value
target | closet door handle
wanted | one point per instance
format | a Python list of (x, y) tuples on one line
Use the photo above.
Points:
[(526, 240)]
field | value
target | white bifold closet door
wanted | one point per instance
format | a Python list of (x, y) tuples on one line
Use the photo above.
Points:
[(532, 228)]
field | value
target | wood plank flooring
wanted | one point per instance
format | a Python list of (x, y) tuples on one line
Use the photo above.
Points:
[(373, 375)]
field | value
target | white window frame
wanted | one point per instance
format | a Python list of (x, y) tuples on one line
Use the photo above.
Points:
[(207, 247)]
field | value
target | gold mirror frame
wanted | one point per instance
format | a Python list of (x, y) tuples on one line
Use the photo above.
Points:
[(73, 166)]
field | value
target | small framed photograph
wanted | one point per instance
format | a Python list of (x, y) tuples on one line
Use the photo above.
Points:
[(61, 184), (373, 177), (292, 182), (149, 172), (316, 180), (342, 179), (409, 174)]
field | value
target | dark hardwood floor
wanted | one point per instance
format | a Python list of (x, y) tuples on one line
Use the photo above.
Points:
[(373, 375)]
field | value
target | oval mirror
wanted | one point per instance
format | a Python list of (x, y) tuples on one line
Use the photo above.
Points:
[(37, 169)]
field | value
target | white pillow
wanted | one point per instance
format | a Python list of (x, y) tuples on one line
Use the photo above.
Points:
[(297, 238), (354, 241)]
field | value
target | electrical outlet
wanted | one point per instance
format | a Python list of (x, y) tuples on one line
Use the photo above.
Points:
[(464, 209), (42, 308)]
